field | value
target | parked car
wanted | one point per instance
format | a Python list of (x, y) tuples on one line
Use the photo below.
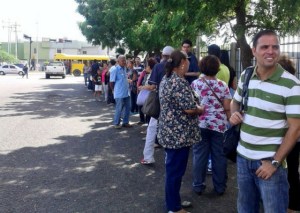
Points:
[(20, 65), (55, 68), (11, 69)]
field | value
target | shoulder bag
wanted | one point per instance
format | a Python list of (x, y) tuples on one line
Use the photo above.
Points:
[(151, 106), (232, 135), (142, 96)]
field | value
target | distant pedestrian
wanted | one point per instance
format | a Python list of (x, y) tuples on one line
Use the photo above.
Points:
[(224, 73), (105, 81), (120, 87), (98, 85), (25, 70), (85, 73), (293, 157), (194, 70)]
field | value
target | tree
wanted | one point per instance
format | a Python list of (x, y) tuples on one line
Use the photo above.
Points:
[(5, 57), (170, 21)]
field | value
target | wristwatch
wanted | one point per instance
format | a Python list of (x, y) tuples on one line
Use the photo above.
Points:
[(275, 163)]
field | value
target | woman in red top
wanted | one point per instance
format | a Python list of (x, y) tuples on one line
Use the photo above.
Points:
[(104, 80)]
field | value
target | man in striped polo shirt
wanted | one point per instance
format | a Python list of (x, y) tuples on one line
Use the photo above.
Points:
[(269, 128)]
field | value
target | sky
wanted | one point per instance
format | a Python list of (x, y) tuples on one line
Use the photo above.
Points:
[(52, 19)]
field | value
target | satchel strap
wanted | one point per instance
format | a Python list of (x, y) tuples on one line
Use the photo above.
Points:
[(212, 91), (245, 93)]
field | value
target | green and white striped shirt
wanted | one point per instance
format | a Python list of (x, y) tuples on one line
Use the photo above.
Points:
[(270, 103)]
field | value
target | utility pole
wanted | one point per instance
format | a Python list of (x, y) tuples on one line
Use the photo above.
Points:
[(7, 24), (29, 59), (11, 27), (15, 26), (37, 45)]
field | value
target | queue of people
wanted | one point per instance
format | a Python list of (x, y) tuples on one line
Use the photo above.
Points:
[(199, 102)]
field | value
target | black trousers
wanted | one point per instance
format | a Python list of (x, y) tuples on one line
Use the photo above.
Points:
[(134, 106), (293, 178)]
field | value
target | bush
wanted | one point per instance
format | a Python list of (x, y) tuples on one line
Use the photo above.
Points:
[(5, 57)]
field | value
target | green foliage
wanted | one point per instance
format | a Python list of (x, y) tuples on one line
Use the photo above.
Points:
[(5, 57), (120, 51), (148, 25)]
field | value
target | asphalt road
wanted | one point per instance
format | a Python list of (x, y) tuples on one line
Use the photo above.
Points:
[(59, 153)]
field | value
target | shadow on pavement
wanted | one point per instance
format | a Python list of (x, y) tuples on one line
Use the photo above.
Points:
[(95, 172)]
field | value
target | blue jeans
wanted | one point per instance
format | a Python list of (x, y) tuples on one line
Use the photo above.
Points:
[(252, 190), (212, 142), (176, 162), (122, 108)]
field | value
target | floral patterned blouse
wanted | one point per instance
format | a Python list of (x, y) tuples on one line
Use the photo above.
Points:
[(177, 129), (214, 116)]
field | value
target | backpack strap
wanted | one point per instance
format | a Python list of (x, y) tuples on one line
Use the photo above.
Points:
[(245, 93)]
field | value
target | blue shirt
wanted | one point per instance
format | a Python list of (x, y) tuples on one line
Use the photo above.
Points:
[(157, 74), (118, 75), (192, 68)]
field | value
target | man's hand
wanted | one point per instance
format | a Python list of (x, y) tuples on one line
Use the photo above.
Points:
[(236, 118), (266, 170)]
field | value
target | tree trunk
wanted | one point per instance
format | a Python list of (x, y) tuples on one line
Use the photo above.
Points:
[(246, 52), (240, 30)]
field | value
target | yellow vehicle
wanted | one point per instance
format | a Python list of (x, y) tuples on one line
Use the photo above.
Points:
[(77, 61)]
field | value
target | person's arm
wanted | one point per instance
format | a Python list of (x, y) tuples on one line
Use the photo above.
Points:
[(112, 78), (197, 111), (226, 105), (196, 74), (234, 83), (266, 170), (289, 139), (112, 85), (236, 116), (141, 78), (147, 87)]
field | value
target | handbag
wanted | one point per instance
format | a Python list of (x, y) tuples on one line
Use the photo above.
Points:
[(151, 106), (142, 96), (232, 135)]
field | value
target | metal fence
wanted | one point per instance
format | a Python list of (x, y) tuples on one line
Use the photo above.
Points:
[(289, 46)]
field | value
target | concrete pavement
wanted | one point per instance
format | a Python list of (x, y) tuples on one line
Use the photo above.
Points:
[(59, 153)]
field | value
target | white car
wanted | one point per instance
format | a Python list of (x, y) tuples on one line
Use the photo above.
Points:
[(11, 69)]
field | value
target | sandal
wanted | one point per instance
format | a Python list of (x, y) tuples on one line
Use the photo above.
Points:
[(146, 162)]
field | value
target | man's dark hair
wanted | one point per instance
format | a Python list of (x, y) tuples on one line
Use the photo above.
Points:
[(151, 62), (260, 34), (112, 61), (214, 50), (187, 41)]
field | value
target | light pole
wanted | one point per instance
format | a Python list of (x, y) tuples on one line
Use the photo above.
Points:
[(29, 38)]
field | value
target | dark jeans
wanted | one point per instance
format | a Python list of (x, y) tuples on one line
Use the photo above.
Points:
[(134, 106), (212, 142), (110, 97), (293, 178), (176, 162)]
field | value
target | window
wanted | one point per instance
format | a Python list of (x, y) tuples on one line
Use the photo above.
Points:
[(58, 51), (84, 52), (34, 50)]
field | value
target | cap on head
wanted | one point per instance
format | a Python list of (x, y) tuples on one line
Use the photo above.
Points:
[(167, 50), (214, 50)]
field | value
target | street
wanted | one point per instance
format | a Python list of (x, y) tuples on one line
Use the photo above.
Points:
[(59, 153)]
